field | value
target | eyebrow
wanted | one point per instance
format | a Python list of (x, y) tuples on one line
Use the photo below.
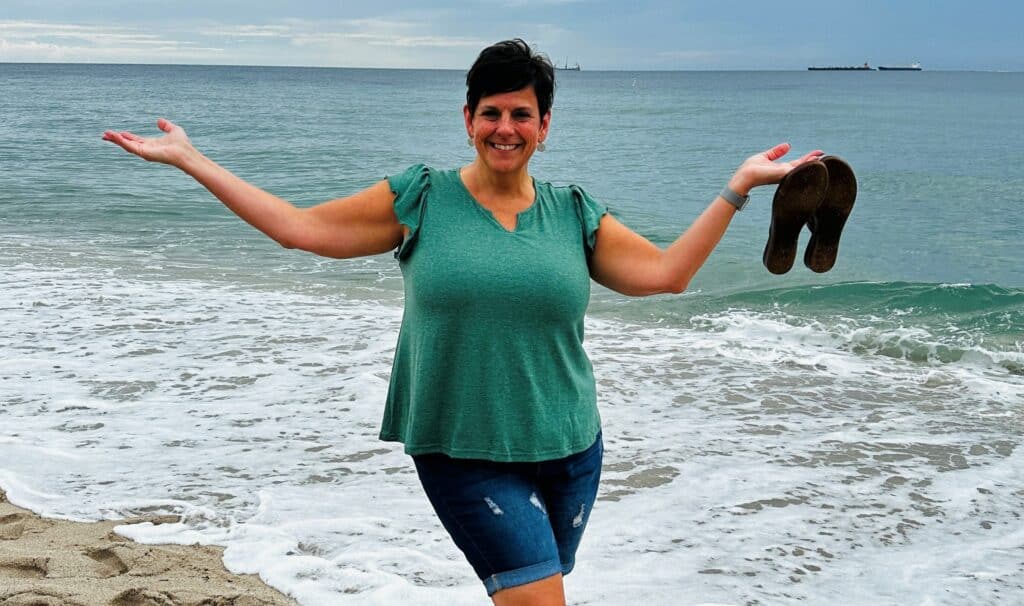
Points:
[(515, 109)]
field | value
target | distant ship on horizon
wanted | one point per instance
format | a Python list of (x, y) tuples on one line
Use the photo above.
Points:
[(913, 67), (842, 68), (568, 68)]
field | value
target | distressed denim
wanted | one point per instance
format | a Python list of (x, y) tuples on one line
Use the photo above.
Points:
[(516, 522)]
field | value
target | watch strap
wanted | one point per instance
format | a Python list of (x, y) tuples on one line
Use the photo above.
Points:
[(734, 198)]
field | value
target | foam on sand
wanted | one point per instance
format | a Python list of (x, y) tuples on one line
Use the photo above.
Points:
[(45, 561)]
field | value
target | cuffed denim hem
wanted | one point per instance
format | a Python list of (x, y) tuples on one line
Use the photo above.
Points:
[(521, 576)]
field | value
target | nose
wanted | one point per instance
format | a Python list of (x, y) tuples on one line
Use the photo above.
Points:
[(505, 125)]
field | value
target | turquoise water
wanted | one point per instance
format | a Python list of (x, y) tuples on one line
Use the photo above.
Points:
[(872, 413), (935, 153)]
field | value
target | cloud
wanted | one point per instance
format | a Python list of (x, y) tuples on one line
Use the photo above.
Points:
[(375, 32), (388, 40), (33, 30), (370, 42), (41, 41), (248, 31)]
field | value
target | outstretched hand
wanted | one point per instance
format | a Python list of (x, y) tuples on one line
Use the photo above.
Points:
[(762, 168), (171, 148)]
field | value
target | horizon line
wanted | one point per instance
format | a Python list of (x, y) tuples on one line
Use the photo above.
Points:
[(638, 69)]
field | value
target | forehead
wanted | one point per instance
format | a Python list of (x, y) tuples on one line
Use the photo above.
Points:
[(524, 97)]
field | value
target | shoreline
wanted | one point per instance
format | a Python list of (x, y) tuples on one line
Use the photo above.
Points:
[(48, 562)]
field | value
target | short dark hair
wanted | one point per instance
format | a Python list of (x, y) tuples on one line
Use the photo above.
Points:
[(508, 66)]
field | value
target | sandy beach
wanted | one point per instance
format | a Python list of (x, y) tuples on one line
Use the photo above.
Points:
[(47, 562)]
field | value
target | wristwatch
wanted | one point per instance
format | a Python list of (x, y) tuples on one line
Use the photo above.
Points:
[(734, 198)]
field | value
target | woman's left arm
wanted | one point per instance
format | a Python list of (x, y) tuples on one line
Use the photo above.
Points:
[(626, 262)]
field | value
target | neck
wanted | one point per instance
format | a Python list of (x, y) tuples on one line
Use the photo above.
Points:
[(501, 185)]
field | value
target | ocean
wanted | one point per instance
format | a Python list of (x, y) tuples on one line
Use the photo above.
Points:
[(852, 437)]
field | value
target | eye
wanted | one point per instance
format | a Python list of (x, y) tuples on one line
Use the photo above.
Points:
[(522, 114), (490, 114)]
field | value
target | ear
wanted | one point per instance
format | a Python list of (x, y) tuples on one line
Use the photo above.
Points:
[(469, 120), (545, 124)]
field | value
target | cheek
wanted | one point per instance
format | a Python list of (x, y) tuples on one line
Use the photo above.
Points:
[(480, 127)]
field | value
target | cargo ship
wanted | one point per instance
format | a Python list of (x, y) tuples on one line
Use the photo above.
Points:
[(842, 68), (913, 67)]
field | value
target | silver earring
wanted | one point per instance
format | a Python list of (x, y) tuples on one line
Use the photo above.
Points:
[(469, 141), (541, 147)]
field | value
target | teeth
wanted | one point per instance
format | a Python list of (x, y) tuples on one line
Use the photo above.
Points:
[(504, 147)]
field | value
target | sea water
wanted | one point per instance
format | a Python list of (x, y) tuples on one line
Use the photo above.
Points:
[(852, 437)]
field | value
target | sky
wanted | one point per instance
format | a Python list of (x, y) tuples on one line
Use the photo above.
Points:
[(597, 34)]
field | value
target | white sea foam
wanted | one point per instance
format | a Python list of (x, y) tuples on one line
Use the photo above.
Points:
[(749, 458)]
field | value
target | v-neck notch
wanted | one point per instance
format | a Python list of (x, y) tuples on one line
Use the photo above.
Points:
[(489, 214)]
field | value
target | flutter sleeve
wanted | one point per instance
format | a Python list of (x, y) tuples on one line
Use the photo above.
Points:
[(589, 212), (410, 189)]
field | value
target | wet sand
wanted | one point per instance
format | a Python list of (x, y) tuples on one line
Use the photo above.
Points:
[(46, 562)]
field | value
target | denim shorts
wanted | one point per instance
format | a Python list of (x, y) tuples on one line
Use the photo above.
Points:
[(516, 522)]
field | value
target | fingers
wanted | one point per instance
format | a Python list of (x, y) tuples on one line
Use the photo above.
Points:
[(810, 157), (777, 152), (124, 135), (783, 148), (132, 137), (119, 139), (113, 137), (165, 125)]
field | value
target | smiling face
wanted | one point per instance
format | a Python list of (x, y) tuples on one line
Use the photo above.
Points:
[(506, 129)]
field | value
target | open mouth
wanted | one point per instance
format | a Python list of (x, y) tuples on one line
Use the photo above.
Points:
[(505, 146)]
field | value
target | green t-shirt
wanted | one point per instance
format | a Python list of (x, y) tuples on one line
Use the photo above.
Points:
[(490, 361)]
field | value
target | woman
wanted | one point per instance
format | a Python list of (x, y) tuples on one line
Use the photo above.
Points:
[(491, 391)]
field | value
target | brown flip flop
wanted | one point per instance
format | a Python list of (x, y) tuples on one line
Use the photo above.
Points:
[(798, 196), (827, 223)]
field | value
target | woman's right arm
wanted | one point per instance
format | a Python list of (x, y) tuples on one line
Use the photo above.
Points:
[(359, 225)]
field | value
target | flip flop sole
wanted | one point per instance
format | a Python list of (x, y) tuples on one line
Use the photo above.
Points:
[(795, 201), (827, 223)]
